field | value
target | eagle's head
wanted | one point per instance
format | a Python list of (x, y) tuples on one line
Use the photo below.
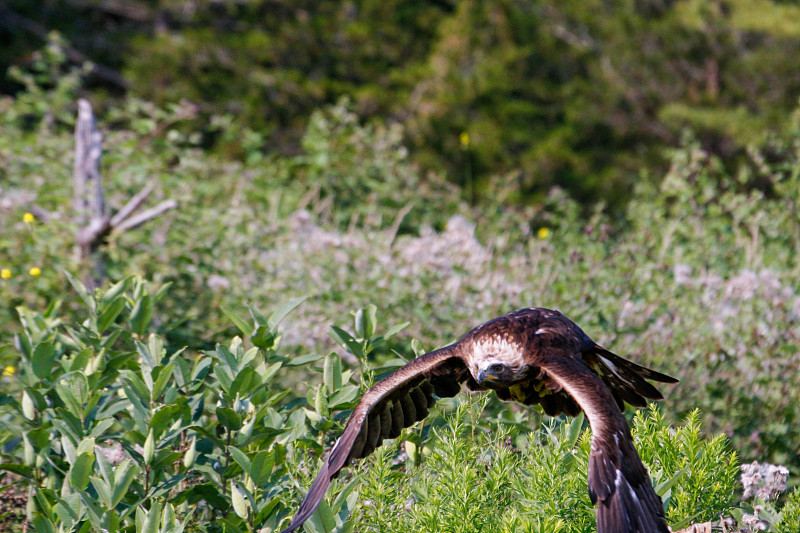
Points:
[(497, 361)]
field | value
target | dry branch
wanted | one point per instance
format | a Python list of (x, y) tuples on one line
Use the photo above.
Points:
[(94, 225), (144, 216)]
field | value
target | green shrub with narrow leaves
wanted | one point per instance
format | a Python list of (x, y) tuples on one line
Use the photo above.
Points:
[(111, 429), (107, 427)]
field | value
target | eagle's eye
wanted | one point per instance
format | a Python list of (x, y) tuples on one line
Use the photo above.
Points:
[(497, 368)]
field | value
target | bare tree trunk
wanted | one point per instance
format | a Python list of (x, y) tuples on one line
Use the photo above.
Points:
[(88, 202)]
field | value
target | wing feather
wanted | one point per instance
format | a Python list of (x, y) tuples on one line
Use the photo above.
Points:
[(618, 481), (392, 404), (625, 378)]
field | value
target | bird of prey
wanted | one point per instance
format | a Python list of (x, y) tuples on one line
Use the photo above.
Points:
[(532, 356)]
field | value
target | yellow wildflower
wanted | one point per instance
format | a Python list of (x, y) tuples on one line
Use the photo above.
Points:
[(9, 371), (28, 218), (464, 139), (5, 273), (35, 271), (543, 233)]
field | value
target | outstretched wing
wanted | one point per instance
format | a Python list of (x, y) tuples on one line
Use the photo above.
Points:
[(546, 331), (625, 378), (618, 481), (391, 405)]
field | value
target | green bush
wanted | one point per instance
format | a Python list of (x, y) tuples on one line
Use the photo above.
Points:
[(108, 427), (696, 276)]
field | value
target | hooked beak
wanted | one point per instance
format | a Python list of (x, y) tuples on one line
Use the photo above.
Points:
[(483, 377)]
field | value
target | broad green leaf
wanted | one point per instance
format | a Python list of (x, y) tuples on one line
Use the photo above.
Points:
[(224, 378), (67, 396), (303, 359), (163, 417), (229, 418), (141, 315), (267, 507), (86, 446), (574, 430), (240, 457), (110, 314), (21, 470), (264, 338), (342, 496), (664, 487), (80, 288), (190, 454), (67, 509), (394, 330), (114, 291), (140, 404), (101, 427), (226, 356), (343, 397), (153, 518), (261, 467), (248, 356), (246, 381), (347, 341), (69, 424), (81, 470), (124, 474), (23, 344), (364, 321), (42, 361), (80, 359), (321, 401), (94, 511), (242, 325), (69, 449), (148, 359), (164, 373), (258, 317), (332, 372), (313, 416), (106, 470), (279, 314), (42, 524), (200, 369), (102, 489), (141, 517), (28, 409), (168, 515), (323, 519), (43, 498), (271, 371), (79, 386)]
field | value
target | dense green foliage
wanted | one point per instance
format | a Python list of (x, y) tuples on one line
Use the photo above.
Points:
[(582, 94), (697, 276), (110, 429)]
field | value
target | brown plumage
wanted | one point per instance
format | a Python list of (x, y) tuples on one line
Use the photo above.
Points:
[(533, 356)]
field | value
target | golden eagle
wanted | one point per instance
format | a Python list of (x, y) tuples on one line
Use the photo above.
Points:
[(532, 356)]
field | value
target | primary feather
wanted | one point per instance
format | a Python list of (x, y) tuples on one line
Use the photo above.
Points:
[(533, 356)]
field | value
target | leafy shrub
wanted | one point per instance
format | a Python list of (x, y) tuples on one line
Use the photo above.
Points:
[(110, 428), (696, 276)]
